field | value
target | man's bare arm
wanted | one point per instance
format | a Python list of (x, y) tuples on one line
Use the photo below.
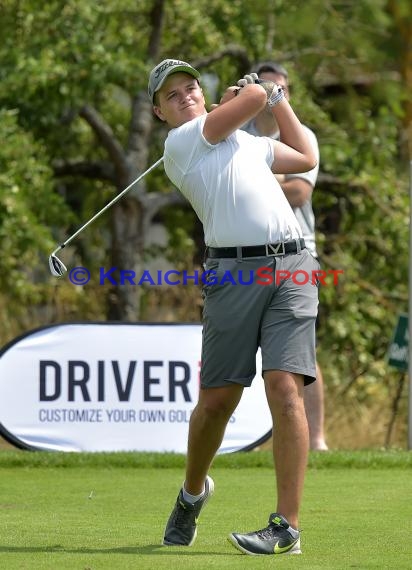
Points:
[(236, 108)]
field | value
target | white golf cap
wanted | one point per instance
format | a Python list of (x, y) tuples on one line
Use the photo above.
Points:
[(164, 69)]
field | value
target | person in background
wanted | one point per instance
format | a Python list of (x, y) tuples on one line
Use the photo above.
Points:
[(227, 176), (298, 190)]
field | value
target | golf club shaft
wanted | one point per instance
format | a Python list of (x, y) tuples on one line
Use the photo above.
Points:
[(116, 199)]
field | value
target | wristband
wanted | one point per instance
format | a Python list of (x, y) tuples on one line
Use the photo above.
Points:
[(276, 96)]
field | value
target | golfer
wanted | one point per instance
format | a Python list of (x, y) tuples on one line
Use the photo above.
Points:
[(227, 176)]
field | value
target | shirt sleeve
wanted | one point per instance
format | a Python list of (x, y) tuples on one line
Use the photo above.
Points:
[(185, 146)]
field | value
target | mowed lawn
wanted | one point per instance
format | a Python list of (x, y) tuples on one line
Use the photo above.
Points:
[(108, 511)]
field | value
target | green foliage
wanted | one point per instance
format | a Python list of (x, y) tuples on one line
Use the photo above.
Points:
[(27, 204), (62, 54), (29, 208), (373, 226)]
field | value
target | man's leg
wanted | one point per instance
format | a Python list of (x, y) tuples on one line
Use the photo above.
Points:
[(288, 344), (314, 406), (284, 392), (206, 430)]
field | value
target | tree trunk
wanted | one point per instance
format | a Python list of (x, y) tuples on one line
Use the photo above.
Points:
[(129, 217), (123, 302)]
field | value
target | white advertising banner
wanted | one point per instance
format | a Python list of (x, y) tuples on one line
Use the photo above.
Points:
[(114, 387)]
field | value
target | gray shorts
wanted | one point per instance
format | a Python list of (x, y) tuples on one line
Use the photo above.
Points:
[(271, 302)]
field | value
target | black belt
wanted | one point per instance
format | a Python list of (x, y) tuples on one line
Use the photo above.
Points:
[(268, 250)]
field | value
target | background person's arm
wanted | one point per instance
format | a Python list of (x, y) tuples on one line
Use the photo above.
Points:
[(297, 190)]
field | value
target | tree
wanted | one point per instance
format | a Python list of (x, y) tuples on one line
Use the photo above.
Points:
[(63, 77), (27, 206)]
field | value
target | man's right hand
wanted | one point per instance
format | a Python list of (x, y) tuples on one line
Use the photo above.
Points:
[(250, 78), (229, 94), (274, 92), (269, 87)]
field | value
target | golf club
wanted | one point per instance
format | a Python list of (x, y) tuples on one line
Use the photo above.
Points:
[(57, 267)]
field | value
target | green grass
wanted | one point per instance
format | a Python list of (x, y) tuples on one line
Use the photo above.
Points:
[(107, 511)]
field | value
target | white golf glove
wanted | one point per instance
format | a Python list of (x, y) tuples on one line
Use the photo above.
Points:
[(250, 78), (274, 92)]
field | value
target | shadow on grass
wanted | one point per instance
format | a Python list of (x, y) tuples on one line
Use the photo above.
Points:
[(153, 549)]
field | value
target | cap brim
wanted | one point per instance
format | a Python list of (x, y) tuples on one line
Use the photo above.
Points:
[(182, 68)]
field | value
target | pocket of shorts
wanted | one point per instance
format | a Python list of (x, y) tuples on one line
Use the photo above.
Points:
[(220, 274), (211, 270), (210, 275), (315, 280), (314, 259)]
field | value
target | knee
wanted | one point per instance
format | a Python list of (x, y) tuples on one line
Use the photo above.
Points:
[(285, 397), (216, 409), (289, 407)]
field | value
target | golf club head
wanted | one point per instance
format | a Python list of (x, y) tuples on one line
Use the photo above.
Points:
[(57, 267)]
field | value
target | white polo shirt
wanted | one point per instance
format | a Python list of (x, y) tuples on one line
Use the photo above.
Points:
[(230, 186), (304, 214)]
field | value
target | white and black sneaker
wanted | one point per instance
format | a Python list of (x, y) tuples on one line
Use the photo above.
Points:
[(181, 528), (277, 538)]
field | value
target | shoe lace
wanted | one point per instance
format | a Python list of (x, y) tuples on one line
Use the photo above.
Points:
[(182, 516), (267, 532), (270, 531)]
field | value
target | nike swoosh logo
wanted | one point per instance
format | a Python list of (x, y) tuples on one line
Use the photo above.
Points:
[(279, 549)]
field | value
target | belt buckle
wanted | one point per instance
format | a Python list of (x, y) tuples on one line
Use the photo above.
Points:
[(273, 250)]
